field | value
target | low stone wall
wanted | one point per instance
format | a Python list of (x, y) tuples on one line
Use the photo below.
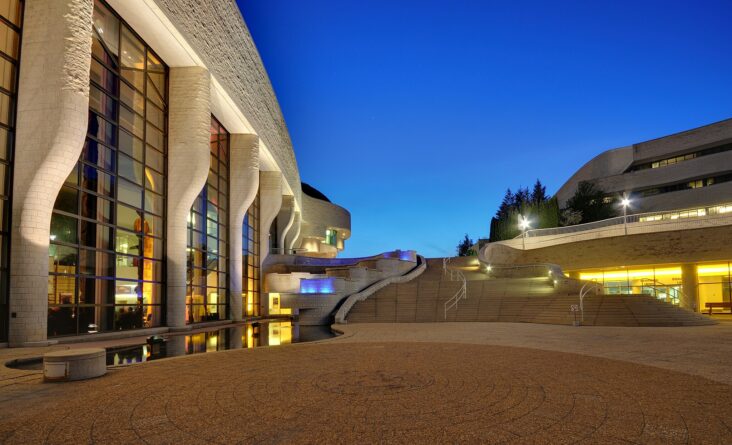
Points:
[(681, 246)]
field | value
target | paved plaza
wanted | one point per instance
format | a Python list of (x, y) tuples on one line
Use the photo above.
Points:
[(418, 383)]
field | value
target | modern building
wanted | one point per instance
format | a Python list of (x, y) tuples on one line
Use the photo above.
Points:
[(675, 241), (324, 226), (684, 170), (147, 169)]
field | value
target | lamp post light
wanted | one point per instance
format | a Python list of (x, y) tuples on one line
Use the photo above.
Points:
[(524, 225), (625, 203)]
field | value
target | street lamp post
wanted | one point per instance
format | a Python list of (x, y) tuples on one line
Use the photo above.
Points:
[(524, 225), (625, 203)]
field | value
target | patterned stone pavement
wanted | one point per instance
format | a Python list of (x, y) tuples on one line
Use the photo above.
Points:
[(336, 392)]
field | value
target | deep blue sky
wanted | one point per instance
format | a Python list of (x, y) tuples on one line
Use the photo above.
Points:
[(416, 115)]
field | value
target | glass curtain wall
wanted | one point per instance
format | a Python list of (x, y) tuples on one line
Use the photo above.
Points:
[(715, 286), (250, 261), (207, 287), (662, 282), (11, 20), (107, 229)]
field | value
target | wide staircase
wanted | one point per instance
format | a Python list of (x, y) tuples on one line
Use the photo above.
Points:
[(526, 300)]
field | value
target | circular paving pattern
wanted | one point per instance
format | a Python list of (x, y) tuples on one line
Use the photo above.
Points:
[(369, 383), (374, 392)]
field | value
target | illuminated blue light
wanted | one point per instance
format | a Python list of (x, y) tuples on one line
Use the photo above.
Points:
[(317, 286), (403, 255)]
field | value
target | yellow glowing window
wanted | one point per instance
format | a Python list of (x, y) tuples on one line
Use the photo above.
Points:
[(709, 270), (630, 274)]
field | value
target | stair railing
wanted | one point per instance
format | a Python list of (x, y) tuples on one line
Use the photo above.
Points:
[(659, 287), (462, 292), (586, 289)]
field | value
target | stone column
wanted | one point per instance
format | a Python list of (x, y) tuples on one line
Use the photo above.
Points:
[(294, 232), (189, 123), (244, 184), (52, 110), (270, 201), (285, 220), (690, 287)]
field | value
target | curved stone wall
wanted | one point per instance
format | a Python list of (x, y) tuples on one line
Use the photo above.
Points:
[(608, 163), (217, 32), (317, 216)]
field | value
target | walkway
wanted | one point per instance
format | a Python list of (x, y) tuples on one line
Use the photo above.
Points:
[(705, 351), (411, 383)]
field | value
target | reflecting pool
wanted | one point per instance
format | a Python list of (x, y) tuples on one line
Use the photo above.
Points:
[(250, 335)]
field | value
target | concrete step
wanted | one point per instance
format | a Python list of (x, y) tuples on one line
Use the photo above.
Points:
[(530, 300)]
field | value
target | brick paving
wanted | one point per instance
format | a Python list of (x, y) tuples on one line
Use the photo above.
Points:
[(374, 391), (705, 351)]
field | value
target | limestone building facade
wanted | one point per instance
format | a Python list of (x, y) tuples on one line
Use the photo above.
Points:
[(147, 169)]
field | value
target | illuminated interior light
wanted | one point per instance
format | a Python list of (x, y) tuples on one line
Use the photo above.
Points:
[(714, 270), (642, 273), (150, 179), (317, 286)]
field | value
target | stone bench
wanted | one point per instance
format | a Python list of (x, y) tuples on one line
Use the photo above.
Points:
[(74, 364)]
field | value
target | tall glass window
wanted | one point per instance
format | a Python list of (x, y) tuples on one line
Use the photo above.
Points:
[(208, 277), (250, 261), (715, 286), (107, 229), (11, 20)]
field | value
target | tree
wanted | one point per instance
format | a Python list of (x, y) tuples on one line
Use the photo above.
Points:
[(509, 200), (538, 194), (522, 197), (464, 248), (590, 203), (541, 210), (570, 217)]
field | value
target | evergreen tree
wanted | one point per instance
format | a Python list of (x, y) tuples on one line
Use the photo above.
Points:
[(509, 200), (589, 202), (542, 210), (464, 248), (538, 194), (522, 197)]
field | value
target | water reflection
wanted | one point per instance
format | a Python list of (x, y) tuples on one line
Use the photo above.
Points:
[(239, 337)]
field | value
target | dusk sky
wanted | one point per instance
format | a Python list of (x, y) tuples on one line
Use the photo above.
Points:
[(417, 115)]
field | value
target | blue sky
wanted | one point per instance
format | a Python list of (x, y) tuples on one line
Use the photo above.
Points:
[(417, 115)]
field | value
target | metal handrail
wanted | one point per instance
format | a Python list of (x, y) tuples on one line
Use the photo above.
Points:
[(454, 275), (461, 293), (655, 286), (589, 286)]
